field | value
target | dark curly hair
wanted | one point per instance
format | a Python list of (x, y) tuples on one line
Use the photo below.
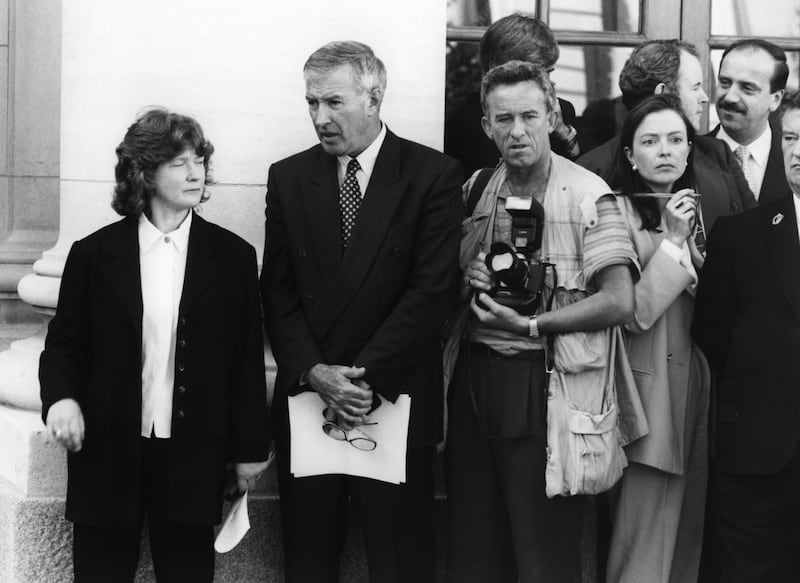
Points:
[(156, 137)]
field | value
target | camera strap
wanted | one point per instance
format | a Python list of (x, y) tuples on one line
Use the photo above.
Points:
[(481, 180)]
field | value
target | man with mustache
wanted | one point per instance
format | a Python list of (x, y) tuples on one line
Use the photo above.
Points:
[(751, 81), (672, 66), (360, 255), (747, 322)]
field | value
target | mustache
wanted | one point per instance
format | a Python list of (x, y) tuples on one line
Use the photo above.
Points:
[(728, 106)]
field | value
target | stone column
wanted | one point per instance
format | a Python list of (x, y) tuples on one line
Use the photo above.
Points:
[(238, 70)]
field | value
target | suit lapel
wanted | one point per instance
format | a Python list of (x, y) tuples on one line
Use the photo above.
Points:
[(783, 248), (384, 192), (774, 185), (320, 193), (201, 262), (120, 263), (712, 184)]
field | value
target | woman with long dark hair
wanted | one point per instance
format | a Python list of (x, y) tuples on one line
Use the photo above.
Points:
[(658, 507)]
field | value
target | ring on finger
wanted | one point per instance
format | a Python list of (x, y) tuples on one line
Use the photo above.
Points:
[(470, 282)]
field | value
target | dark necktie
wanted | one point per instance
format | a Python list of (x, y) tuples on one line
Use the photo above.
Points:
[(349, 201)]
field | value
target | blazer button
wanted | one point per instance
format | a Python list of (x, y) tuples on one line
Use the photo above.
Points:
[(735, 206), (396, 251), (182, 343), (324, 346), (302, 252), (181, 367), (182, 320), (181, 389), (308, 298), (181, 414)]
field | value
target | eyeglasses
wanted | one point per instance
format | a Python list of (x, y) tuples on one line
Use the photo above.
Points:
[(361, 441)]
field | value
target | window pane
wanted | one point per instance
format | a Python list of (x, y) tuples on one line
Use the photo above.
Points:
[(792, 58), (588, 77), (594, 15), (755, 17), (484, 12)]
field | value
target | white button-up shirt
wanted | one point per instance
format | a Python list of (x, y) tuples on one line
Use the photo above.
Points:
[(162, 261), (759, 154)]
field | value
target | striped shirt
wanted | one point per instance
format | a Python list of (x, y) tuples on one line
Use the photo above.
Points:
[(584, 233)]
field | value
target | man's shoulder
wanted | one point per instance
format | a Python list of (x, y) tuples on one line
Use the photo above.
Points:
[(299, 159), (415, 151), (602, 159), (577, 178)]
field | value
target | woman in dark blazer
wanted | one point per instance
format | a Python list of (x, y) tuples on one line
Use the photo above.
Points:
[(152, 375)]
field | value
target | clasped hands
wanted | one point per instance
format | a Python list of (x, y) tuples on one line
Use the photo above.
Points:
[(345, 392)]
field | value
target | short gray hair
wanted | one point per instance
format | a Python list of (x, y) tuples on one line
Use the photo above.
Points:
[(514, 72), (368, 70)]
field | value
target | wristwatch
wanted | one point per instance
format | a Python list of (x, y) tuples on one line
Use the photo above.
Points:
[(533, 327)]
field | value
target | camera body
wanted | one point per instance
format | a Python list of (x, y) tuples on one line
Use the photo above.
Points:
[(519, 278)]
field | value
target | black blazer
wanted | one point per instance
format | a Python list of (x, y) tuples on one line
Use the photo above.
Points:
[(381, 305), (774, 185), (716, 175), (747, 321), (93, 354)]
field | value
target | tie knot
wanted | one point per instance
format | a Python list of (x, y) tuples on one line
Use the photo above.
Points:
[(742, 153), (353, 166)]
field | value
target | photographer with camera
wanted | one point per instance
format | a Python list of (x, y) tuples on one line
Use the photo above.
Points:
[(547, 210)]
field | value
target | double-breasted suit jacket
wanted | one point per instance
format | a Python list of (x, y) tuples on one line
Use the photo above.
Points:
[(379, 305), (93, 354), (747, 321)]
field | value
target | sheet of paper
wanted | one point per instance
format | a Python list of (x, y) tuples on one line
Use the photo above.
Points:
[(314, 453), (236, 524)]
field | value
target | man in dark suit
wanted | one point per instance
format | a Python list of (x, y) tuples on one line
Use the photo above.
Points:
[(672, 66), (360, 254), (152, 374), (751, 81), (747, 321)]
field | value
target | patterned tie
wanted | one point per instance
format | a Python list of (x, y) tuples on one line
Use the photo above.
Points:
[(700, 231), (349, 201), (743, 155)]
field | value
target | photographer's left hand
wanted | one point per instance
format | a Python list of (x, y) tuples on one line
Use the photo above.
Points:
[(497, 316)]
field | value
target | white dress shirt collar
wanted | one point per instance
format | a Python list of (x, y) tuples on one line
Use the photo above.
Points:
[(796, 199), (759, 148), (149, 234), (366, 160)]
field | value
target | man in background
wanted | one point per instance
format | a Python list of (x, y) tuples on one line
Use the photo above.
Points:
[(516, 37), (751, 81), (747, 322)]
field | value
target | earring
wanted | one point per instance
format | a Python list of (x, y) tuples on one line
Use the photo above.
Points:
[(633, 166)]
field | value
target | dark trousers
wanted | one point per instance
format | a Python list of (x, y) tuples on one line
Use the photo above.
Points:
[(758, 525), (396, 520), (501, 525), (103, 554)]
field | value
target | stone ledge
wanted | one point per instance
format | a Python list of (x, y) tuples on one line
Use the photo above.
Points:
[(28, 462)]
